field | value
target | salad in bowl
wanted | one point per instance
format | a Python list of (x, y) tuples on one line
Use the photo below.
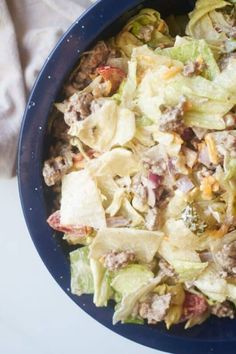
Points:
[(143, 162)]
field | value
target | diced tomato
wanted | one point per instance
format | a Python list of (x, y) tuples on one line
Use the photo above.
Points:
[(194, 305), (112, 74), (54, 221)]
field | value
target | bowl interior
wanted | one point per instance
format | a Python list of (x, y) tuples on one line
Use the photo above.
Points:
[(37, 200)]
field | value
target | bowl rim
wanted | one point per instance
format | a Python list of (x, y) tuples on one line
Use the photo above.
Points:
[(31, 187)]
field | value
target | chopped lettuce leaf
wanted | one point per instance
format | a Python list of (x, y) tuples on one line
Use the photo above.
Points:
[(172, 253), (176, 205), (179, 235), (117, 162), (206, 121), (211, 284), (81, 275), (143, 121), (186, 262), (131, 278), (188, 271), (192, 50), (133, 320), (209, 102), (230, 169), (130, 85), (144, 136), (116, 203), (127, 210), (170, 142), (124, 310), (126, 42), (108, 188), (143, 243), (146, 27), (201, 25), (81, 203), (108, 126), (230, 193), (101, 280), (148, 60), (226, 79)]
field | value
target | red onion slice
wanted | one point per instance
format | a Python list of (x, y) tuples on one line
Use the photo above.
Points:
[(184, 184)]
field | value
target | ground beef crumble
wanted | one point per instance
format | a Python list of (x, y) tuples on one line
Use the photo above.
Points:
[(172, 117), (226, 257), (88, 64), (195, 67), (154, 308), (56, 167), (115, 260), (223, 310)]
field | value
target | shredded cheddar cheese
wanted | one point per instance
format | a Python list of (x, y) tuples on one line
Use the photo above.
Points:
[(161, 26), (219, 233), (208, 186), (174, 70), (212, 151)]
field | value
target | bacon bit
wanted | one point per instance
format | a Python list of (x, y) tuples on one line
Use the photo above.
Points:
[(171, 72), (212, 151), (223, 230), (194, 305), (209, 185), (112, 74), (54, 222)]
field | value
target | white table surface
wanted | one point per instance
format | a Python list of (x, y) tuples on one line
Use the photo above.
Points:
[(36, 316)]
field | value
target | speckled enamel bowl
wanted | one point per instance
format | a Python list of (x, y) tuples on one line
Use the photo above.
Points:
[(100, 21)]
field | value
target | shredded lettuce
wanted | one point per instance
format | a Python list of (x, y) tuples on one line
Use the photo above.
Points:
[(146, 27), (101, 280), (201, 24), (117, 162), (81, 202), (226, 79), (212, 285), (188, 271), (125, 308), (110, 125), (179, 235), (143, 243), (192, 50), (131, 278), (81, 275), (185, 261), (208, 100), (129, 212)]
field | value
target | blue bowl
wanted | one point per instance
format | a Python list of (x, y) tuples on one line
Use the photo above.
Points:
[(100, 21)]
